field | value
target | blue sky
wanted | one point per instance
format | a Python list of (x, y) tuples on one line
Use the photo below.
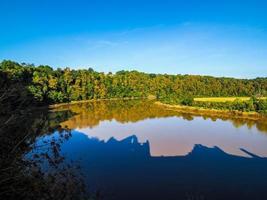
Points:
[(219, 38)]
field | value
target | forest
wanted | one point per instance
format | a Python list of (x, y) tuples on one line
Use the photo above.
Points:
[(50, 86)]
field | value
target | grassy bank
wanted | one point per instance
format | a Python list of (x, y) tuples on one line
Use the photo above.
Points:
[(214, 112), (224, 99), (252, 115)]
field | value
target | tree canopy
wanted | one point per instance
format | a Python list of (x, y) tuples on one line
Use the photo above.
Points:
[(49, 85)]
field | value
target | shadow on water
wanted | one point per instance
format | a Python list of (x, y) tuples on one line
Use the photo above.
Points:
[(126, 170)]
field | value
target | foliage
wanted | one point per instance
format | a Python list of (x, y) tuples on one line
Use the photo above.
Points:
[(253, 104), (20, 123), (64, 85), (187, 100), (221, 99)]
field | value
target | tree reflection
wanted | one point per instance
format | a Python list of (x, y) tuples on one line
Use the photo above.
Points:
[(23, 175), (92, 113)]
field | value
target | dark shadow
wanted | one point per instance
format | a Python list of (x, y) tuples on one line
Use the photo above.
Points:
[(126, 170), (22, 121)]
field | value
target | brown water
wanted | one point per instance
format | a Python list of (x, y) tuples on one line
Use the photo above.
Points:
[(169, 133)]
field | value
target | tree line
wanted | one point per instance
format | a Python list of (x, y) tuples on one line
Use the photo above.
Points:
[(48, 85)]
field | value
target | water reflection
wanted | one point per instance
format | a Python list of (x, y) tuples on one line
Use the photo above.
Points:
[(22, 159), (125, 170), (92, 113), (138, 150), (169, 132)]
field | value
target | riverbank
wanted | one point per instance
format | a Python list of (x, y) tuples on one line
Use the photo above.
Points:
[(225, 99), (214, 112), (93, 100), (182, 109)]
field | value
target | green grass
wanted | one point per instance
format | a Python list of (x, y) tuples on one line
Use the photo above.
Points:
[(223, 99)]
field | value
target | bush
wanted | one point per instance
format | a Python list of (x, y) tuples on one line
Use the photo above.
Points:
[(187, 101)]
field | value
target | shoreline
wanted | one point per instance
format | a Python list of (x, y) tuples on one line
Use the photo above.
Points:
[(198, 111), (255, 116), (93, 100)]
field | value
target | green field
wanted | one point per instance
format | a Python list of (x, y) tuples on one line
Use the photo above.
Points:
[(223, 99)]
